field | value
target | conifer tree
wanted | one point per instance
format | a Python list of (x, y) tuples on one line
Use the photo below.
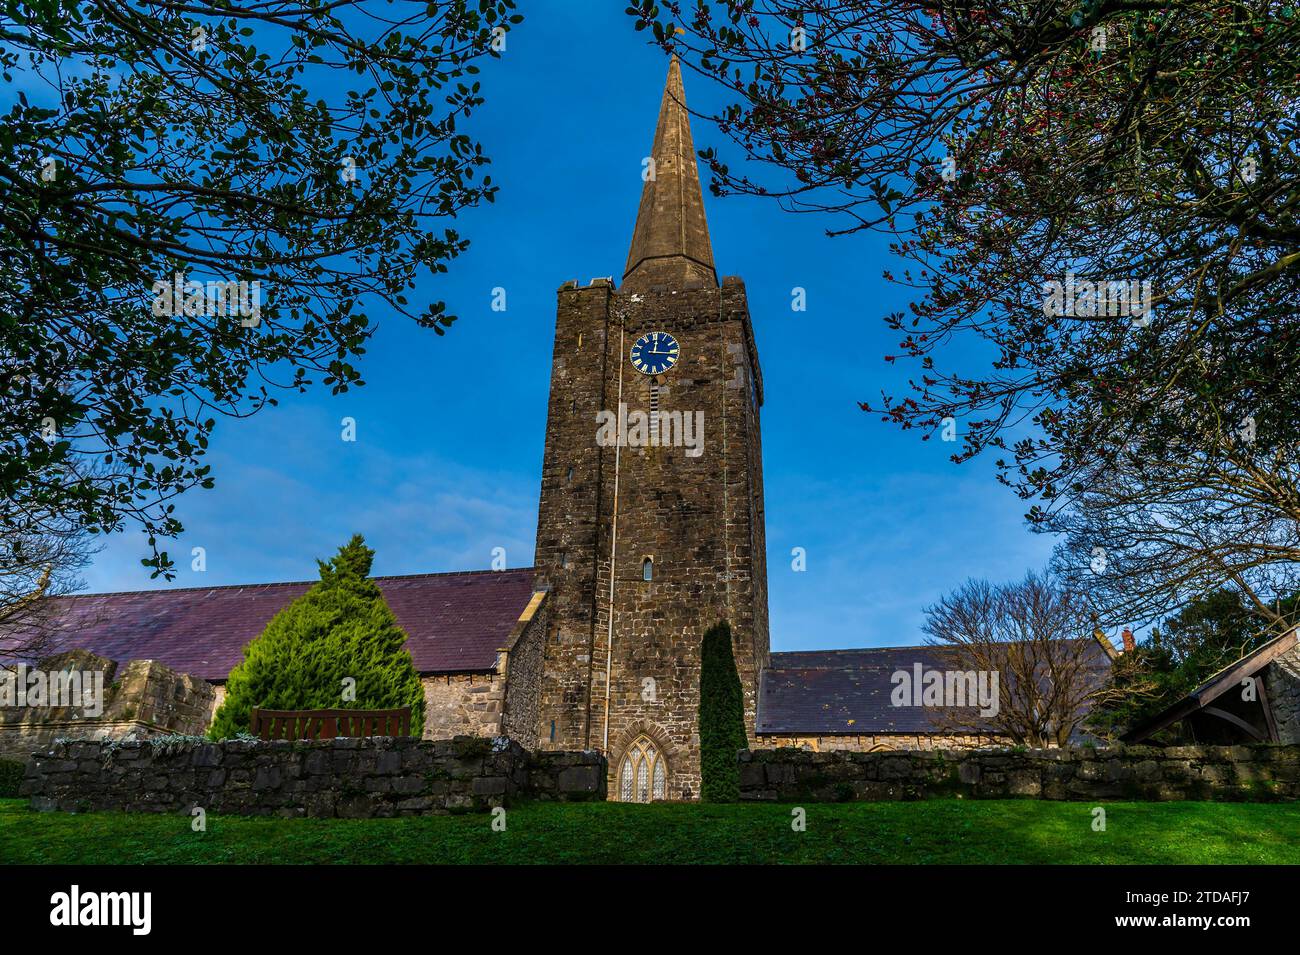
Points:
[(722, 717), (339, 629)]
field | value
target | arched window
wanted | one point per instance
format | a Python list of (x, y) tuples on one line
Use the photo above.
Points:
[(644, 773), (648, 569)]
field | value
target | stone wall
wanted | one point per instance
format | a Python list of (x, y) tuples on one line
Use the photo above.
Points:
[(142, 699), (520, 663), (1264, 772), (463, 704), (865, 743), (352, 778)]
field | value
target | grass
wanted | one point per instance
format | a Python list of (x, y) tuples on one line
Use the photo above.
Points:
[(938, 831)]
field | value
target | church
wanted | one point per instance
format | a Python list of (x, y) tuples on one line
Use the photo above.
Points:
[(650, 530)]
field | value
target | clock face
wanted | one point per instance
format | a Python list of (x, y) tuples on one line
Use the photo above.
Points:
[(654, 353)]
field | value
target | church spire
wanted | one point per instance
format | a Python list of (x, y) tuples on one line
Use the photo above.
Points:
[(670, 243)]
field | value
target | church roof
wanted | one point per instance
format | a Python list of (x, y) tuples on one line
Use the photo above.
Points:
[(847, 692), (455, 622), (670, 242)]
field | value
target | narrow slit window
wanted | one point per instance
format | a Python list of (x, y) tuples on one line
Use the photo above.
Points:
[(648, 569), (568, 478)]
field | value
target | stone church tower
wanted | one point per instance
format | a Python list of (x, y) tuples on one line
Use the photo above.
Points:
[(650, 531)]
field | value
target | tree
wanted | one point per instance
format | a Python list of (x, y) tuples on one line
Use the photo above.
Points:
[(722, 717), (1036, 636), (201, 205), (1211, 632), (39, 562), (1154, 533), (339, 634), (1026, 157)]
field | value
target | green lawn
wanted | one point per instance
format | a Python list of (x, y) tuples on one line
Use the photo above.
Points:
[(916, 832)]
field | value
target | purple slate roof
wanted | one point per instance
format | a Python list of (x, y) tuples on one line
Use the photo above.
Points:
[(847, 692), (817, 692), (455, 622)]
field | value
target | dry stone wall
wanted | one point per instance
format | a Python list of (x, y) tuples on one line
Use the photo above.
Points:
[(1263, 773), (351, 778)]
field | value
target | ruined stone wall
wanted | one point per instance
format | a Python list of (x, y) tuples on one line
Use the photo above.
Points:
[(142, 699), (699, 519), (1264, 772), (352, 778), (864, 743)]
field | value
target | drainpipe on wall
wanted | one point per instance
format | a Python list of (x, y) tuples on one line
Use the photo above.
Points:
[(613, 545)]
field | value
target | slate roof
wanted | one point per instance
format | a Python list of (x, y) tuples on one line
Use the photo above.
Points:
[(455, 622), (847, 692)]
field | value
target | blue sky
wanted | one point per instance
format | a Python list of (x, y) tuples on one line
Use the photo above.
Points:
[(448, 454)]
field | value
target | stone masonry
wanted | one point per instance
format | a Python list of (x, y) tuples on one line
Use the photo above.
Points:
[(142, 699), (502, 703), (1282, 684), (352, 778), (699, 520), (1259, 773), (871, 743)]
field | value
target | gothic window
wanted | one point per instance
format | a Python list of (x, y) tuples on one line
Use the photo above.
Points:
[(648, 569), (643, 775)]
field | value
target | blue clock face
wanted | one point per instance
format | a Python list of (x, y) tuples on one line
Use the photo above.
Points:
[(654, 353)]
